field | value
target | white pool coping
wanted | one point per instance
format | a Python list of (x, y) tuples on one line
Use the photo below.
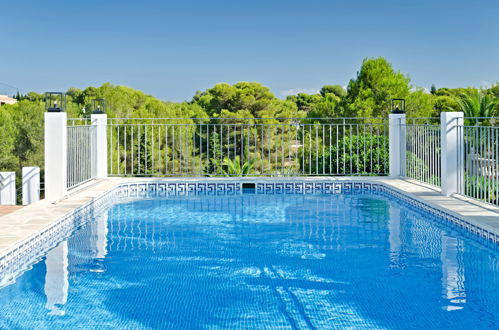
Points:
[(24, 223)]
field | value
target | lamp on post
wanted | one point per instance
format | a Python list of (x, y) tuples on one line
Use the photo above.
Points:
[(56, 146), (99, 106), (55, 102), (398, 106)]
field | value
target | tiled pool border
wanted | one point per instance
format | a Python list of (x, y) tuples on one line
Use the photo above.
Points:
[(30, 249)]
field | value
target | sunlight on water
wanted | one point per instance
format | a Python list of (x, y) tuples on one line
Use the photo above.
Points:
[(260, 261)]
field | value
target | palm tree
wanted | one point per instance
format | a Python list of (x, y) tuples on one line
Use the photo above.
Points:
[(478, 104)]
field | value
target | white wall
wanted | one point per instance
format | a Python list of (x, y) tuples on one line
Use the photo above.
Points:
[(7, 188), (31, 185)]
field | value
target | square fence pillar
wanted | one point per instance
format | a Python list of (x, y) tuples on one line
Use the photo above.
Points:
[(100, 122), (396, 137), (452, 153), (7, 188), (31, 185), (56, 136)]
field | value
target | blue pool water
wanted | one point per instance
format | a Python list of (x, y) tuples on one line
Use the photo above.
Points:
[(260, 261)]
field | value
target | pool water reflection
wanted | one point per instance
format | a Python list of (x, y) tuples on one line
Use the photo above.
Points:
[(259, 261)]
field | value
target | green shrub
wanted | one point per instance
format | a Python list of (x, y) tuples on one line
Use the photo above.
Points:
[(355, 154)]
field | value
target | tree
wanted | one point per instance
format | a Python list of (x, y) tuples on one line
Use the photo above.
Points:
[(420, 104), (214, 153), (76, 95), (8, 159), (326, 107), (454, 92), (478, 104), (143, 166), (247, 99), (370, 93), (444, 103), (305, 102), (35, 97), (494, 90), (333, 89)]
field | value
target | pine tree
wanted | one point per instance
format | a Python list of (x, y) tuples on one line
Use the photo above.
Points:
[(144, 163)]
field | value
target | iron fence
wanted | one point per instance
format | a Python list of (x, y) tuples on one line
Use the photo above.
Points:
[(81, 154), (252, 147), (481, 162), (422, 158)]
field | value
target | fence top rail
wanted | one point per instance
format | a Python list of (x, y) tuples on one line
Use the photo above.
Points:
[(80, 126), (249, 121), (261, 118), (79, 122), (256, 118), (422, 121), (423, 125), (481, 118), (480, 126), (253, 124)]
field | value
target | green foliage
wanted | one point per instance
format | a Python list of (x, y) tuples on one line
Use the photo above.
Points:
[(237, 168), (484, 188), (494, 90), (215, 163), (454, 92), (478, 104), (322, 105), (143, 165), (370, 93), (420, 104), (352, 154), (244, 96), (419, 170), (272, 150), (336, 90), (444, 103), (8, 133), (326, 108), (21, 134), (305, 102)]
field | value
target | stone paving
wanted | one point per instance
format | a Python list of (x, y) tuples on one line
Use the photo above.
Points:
[(6, 209)]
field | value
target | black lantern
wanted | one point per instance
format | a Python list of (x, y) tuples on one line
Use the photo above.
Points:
[(398, 106), (55, 101), (99, 106)]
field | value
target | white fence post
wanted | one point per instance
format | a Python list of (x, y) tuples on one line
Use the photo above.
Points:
[(452, 152), (31, 185), (100, 122), (7, 188), (56, 140), (396, 137)]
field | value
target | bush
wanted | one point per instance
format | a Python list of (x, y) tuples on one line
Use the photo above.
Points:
[(355, 154)]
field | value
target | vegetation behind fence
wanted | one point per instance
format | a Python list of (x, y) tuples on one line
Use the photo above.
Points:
[(262, 147)]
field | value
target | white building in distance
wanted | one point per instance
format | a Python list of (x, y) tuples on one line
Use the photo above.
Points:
[(4, 99)]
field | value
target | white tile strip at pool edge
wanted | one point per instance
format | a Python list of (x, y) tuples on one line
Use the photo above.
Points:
[(39, 236)]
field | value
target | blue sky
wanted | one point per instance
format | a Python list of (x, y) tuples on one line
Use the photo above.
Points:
[(170, 49)]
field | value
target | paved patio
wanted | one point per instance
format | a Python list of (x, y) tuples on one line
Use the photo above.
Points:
[(6, 209)]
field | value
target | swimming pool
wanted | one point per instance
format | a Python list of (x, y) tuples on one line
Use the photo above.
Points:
[(260, 260)]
